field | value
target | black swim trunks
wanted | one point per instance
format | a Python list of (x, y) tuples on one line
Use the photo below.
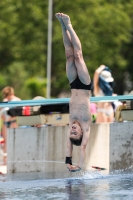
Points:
[(77, 84), (8, 124)]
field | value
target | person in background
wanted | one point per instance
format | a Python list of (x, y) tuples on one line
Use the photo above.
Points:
[(36, 108), (93, 108), (8, 121), (103, 86), (80, 83)]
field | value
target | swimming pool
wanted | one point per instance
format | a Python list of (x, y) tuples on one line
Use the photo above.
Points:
[(80, 186)]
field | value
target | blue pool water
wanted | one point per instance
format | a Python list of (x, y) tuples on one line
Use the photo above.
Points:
[(77, 186)]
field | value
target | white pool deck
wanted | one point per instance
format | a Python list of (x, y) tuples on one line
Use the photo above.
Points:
[(3, 168)]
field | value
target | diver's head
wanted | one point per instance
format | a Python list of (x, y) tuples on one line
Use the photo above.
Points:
[(76, 134)]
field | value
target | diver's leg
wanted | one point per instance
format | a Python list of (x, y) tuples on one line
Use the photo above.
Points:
[(70, 64), (79, 61)]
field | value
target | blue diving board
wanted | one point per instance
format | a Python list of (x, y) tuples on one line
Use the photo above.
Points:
[(63, 100)]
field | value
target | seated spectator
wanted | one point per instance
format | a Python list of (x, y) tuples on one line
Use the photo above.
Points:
[(8, 121)]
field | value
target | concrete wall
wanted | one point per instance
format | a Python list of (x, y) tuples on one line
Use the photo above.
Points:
[(98, 148), (121, 145), (43, 149)]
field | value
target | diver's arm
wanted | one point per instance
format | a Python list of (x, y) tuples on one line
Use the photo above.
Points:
[(85, 139), (86, 134), (69, 149), (96, 79), (69, 146)]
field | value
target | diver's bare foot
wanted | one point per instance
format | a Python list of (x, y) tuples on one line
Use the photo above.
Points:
[(66, 19), (59, 17)]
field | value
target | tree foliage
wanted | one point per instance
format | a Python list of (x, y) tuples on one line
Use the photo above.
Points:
[(105, 28), (23, 39)]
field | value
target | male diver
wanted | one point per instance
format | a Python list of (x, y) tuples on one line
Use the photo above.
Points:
[(80, 83)]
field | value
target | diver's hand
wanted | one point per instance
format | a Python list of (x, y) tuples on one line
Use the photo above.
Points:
[(73, 168), (69, 167)]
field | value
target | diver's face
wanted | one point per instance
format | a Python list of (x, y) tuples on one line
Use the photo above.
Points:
[(75, 131)]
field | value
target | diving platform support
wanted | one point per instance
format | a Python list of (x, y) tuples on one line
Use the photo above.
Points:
[(32, 149)]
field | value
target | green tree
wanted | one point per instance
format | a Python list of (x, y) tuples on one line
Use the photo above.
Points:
[(104, 28), (23, 39)]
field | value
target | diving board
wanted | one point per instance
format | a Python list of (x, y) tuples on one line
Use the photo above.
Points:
[(63, 100), (56, 111)]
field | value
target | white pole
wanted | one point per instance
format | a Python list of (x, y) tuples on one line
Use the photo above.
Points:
[(49, 48)]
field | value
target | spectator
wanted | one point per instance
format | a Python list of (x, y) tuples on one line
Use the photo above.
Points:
[(103, 86), (93, 108), (36, 108), (8, 121)]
